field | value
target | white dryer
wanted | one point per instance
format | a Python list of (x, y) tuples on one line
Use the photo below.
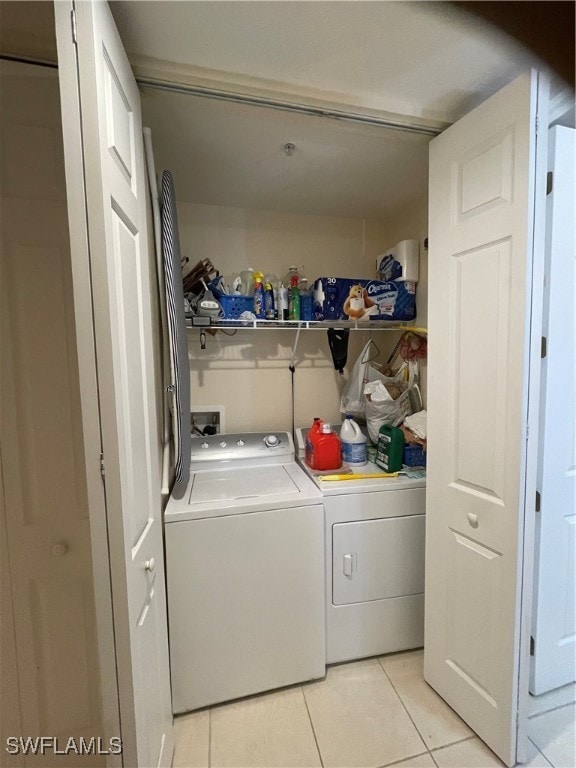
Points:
[(245, 572), (375, 543)]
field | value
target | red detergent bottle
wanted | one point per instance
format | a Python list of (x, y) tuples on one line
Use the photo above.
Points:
[(326, 449), (311, 437)]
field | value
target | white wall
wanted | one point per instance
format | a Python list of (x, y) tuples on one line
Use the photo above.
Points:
[(248, 372)]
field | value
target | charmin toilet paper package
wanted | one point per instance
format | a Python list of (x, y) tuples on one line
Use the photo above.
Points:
[(341, 298)]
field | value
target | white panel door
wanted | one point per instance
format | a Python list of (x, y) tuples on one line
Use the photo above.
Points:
[(120, 262), (553, 622), (47, 547), (481, 227)]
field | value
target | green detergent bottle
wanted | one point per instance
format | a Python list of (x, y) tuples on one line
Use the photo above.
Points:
[(390, 448)]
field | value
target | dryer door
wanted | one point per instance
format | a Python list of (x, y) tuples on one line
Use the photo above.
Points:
[(377, 559)]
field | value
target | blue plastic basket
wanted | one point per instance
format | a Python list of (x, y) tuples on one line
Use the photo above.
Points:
[(414, 456), (233, 306)]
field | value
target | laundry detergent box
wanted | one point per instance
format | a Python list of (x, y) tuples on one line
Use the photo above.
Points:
[(342, 298)]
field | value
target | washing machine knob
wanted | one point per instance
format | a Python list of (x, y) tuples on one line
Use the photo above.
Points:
[(205, 445), (271, 441), (240, 442), (223, 444)]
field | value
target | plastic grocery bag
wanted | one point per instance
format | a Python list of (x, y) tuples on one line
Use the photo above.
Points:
[(382, 408), (352, 399)]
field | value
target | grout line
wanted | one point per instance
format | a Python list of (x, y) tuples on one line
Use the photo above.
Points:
[(402, 702), (459, 741), (403, 759), (552, 709), (312, 726), (539, 751), (209, 737), (434, 760)]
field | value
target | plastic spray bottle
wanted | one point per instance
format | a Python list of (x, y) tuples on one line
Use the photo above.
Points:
[(294, 300), (268, 301), (259, 310)]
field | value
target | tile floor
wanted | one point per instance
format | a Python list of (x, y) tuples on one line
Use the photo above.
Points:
[(371, 713)]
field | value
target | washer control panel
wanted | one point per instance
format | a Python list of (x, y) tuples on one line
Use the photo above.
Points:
[(245, 445)]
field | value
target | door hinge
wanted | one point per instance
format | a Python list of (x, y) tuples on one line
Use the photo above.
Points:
[(102, 465), (538, 501), (73, 25), (543, 347), (549, 182), (532, 646)]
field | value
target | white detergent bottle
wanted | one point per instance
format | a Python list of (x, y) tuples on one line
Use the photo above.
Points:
[(353, 443)]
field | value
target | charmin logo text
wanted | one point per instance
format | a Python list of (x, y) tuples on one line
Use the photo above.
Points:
[(43, 745)]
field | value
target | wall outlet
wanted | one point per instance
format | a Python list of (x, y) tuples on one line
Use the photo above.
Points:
[(206, 418)]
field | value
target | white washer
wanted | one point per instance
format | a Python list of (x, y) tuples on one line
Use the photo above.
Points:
[(245, 572), (375, 536)]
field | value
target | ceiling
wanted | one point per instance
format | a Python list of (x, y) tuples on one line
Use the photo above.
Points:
[(232, 154), (404, 59), (413, 61), (411, 58)]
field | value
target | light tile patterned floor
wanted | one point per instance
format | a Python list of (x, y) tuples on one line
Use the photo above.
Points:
[(366, 714)]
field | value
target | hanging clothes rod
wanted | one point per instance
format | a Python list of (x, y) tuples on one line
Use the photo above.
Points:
[(288, 106)]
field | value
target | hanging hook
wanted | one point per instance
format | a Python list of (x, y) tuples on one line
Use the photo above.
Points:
[(202, 340)]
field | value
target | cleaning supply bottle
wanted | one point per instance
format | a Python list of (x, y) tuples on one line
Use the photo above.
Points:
[(287, 279), (390, 448), (259, 310), (294, 300), (353, 443), (273, 280), (268, 301), (247, 282), (282, 301), (311, 437), (305, 300), (326, 450)]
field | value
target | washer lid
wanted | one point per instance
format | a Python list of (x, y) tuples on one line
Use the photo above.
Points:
[(245, 483), (232, 490)]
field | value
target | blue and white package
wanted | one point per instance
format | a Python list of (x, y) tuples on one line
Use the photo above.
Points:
[(389, 269), (399, 263), (341, 298)]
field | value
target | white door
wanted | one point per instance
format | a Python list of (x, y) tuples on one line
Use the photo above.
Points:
[(120, 264), (553, 622), (482, 202), (51, 658)]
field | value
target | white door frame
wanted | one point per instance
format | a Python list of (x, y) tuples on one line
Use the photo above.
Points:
[(88, 381)]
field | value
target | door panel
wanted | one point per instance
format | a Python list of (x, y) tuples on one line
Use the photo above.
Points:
[(482, 205), (120, 259), (47, 562), (554, 622)]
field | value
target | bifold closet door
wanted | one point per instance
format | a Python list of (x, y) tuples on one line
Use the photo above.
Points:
[(121, 259), (486, 224)]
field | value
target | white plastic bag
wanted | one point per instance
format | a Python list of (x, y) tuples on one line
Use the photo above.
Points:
[(380, 409), (352, 399)]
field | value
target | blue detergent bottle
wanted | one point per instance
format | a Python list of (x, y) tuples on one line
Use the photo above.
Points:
[(259, 309)]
